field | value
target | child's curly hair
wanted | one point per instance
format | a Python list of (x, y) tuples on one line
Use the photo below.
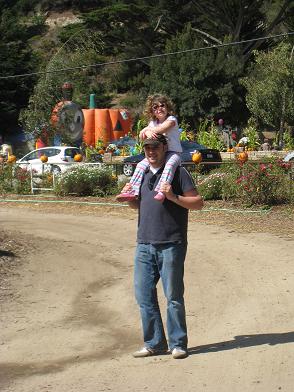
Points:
[(157, 99)]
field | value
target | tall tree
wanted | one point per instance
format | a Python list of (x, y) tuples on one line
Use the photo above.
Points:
[(202, 83), (16, 57), (270, 87)]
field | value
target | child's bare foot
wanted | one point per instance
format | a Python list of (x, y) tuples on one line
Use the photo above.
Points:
[(159, 197), (126, 196)]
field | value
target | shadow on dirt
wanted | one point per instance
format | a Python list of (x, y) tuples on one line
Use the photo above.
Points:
[(6, 253), (12, 370), (243, 341)]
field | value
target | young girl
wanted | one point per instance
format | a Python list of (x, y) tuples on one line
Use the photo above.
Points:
[(159, 109)]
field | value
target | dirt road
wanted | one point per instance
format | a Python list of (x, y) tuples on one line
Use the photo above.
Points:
[(72, 322)]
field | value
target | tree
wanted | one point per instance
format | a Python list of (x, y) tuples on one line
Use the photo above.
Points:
[(81, 50), (16, 57), (201, 83), (270, 87), (241, 20)]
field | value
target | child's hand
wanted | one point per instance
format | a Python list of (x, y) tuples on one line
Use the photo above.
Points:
[(142, 134), (154, 134), (150, 134)]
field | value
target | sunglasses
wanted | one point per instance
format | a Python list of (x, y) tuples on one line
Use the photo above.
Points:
[(160, 105)]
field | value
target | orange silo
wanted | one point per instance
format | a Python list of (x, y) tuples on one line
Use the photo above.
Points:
[(102, 126), (89, 127), (120, 123)]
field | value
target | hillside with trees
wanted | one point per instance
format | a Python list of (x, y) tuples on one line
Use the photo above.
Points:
[(218, 66)]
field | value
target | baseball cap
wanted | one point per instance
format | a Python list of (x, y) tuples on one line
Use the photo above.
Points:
[(155, 141)]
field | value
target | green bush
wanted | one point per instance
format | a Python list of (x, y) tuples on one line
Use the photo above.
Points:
[(6, 178), (14, 179), (265, 183), (210, 187), (209, 136), (87, 181)]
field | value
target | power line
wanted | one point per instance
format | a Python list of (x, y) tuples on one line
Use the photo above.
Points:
[(145, 57)]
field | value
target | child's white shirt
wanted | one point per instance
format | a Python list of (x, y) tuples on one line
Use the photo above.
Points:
[(173, 135)]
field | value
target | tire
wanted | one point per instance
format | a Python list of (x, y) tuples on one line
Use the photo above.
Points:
[(128, 169)]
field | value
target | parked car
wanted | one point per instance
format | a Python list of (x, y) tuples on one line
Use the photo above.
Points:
[(124, 141), (210, 156), (289, 157), (59, 159)]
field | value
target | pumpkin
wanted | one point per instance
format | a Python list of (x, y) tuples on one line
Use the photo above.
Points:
[(11, 159), (101, 152), (243, 156), (197, 157), (78, 158), (43, 158)]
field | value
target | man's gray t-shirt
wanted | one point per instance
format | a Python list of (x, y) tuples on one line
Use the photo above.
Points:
[(165, 222)]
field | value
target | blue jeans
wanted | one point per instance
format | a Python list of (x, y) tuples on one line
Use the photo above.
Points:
[(165, 261)]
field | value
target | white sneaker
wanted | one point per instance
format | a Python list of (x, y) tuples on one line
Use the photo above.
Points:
[(144, 352), (179, 353)]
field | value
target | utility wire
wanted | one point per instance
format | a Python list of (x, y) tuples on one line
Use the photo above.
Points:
[(145, 57)]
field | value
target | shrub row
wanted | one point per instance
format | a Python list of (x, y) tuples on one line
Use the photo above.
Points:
[(249, 183), (266, 183)]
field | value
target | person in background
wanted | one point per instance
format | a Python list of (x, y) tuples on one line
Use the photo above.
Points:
[(265, 145), (159, 109), (161, 251)]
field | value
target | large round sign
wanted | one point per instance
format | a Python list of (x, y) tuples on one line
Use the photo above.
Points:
[(71, 120), (68, 119)]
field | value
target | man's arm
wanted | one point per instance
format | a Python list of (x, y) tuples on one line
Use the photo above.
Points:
[(190, 199)]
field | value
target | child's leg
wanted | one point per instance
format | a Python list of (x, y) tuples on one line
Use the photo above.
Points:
[(135, 183), (137, 177), (173, 160)]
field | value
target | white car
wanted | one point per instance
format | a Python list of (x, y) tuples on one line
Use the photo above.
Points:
[(289, 157), (59, 159)]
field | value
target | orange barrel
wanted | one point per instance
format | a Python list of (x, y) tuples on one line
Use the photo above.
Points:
[(102, 125), (120, 123), (89, 127), (126, 120)]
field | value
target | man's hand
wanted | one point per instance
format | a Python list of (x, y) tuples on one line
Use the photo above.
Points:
[(167, 190), (190, 199)]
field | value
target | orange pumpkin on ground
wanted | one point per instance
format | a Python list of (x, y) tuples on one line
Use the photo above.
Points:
[(11, 159), (243, 156), (197, 157), (43, 158), (78, 158)]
